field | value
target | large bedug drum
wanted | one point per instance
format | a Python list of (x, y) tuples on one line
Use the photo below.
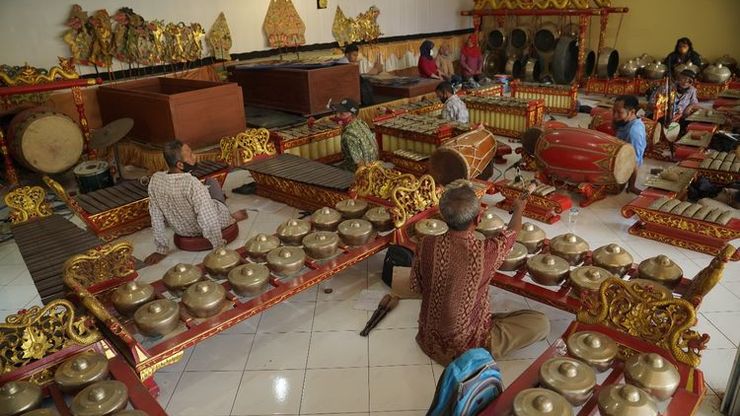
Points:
[(463, 157), (578, 155), (45, 141), (603, 123)]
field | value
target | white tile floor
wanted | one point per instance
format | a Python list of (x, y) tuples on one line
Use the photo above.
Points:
[(305, 356)]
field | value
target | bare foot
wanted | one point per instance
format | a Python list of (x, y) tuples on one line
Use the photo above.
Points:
[(240, 215)]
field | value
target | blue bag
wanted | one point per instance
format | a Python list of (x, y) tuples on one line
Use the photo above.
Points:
[(468, 384)]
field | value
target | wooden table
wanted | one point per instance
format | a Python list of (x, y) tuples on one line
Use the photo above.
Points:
[(300, 90), (424, 86)]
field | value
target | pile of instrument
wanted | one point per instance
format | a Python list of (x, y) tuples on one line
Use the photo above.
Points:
[(693, 210), (569, 381), (648, 67), (316, 141), (418, 133), (505, 116), (546, 52), (426, 106), (83, 381), (197, 292)]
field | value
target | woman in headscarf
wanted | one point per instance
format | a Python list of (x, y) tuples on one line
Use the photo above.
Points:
[(471, 60), (683, 53), (427, 66)]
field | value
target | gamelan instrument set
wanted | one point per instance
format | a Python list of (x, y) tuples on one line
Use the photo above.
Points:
[(112, 211), (559, 99), (77, 372), (320, 141), (505, 116), (156, 322)]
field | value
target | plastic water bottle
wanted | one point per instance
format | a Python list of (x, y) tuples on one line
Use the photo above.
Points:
[(572, 217)]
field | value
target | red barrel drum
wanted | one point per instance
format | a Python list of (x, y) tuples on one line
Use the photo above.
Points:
[(579, 155), (603, 123)]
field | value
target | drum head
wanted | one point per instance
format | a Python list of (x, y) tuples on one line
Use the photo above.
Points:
[(447, 165), (51, 143), (530, 139), (624, 163)]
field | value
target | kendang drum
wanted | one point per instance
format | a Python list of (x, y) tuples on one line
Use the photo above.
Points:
[(93, 175), (45, 141), (464, 157), (603, 123), (578, 155)]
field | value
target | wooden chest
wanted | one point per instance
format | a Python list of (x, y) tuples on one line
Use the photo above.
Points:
[(198, 113), (303, 91)]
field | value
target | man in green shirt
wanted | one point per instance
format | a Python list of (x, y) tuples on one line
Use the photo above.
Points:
[(358, 141)]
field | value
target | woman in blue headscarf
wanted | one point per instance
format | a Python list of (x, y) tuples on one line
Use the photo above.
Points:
[(427, 65)]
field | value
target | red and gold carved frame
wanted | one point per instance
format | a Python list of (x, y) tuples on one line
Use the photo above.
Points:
[(40, 339), (558, 99), (119, 221), (541, 208), (689, 233)]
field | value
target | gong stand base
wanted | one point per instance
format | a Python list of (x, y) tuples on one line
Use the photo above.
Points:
[(590, 192), (546, 209)]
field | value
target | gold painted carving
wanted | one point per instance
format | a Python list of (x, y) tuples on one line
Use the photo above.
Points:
[(26, 203), (283, 25), (219, 38), (363, 28), (640, 311), (242, 148), (408, 194), (29, 75), (146, 372), (709, 276), (539, 4), (38, 332), (688, 225), (99, 264)]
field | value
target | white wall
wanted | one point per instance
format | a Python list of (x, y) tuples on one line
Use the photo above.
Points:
[(31, 30)]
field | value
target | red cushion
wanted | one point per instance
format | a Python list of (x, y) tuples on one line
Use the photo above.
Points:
[(202, 244)]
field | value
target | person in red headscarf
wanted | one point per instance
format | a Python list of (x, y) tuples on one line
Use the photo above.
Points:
[(471, 60)]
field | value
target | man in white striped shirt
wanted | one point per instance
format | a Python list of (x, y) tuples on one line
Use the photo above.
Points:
[(180, 200), (454, 109)]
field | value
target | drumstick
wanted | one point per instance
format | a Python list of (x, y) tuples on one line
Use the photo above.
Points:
[(524, 195), (382, 313), (383, 303)]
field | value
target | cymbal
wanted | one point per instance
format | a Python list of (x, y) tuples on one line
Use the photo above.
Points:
[(111, 133)]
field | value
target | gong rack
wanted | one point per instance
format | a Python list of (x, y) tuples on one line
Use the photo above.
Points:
[(684, 401), (57, 323), (584, 17), (89, 278)]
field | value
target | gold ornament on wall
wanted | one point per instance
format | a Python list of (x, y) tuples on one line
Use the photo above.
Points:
[(219, 38), (363, 28), (283, 26)]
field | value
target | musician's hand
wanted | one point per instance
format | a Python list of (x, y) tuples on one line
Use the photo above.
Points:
[(519, 203), (154, 258)]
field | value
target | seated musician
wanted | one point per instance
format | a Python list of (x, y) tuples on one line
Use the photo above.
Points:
[(631, 129), (445, 65), (686, 99), (352, 56), (180, 200), (358, 141), (451, 272), (683, 53), (471, 61), (454, 109), (427, 65)]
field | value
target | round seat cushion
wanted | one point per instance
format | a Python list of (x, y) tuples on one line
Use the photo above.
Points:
[(200, 243)]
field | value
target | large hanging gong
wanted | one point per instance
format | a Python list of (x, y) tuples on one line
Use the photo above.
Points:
[(565, 60)]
